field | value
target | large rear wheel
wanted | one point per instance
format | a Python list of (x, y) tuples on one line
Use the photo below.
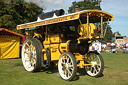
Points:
[(31, 55), (67, 66), (97, 66)]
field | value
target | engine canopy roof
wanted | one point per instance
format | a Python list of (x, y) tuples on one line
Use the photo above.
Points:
[(94, 17)]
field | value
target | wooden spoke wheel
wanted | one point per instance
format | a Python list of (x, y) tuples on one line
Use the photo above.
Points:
[(31, 55), (67, 66), (97, 66)]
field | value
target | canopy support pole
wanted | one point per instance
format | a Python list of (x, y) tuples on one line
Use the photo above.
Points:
[(106, 28), (46, 34), (101, 25), (87, 25)]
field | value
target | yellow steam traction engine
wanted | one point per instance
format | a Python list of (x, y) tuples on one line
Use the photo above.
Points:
[(65, 40)]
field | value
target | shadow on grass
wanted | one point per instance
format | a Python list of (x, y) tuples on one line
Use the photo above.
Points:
[(80, 72), (18, 64), (106, 67), (51, 69), (54, 69)]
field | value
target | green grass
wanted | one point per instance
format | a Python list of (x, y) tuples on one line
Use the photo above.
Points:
[(12, 72)]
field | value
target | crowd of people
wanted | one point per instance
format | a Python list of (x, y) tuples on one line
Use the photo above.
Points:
[(116, 49), (122, 48), (109, 49), (94, 47)]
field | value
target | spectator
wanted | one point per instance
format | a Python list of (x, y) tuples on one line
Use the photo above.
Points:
[(96, 47), (91, 48), (105, 49)]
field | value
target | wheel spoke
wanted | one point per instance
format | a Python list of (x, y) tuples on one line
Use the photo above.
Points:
[(28, 63), (95, 70), (33, 60), (63, 61), (69, 72), (70, 65), (31, 46), (91, 69), (98, 67), (34, 54), (27, 44), (71, 68), (29, 66), (95, 58), (87, 62), (88, 67), (25, 51), (89, 59), (65, 72), (26, 59), (68, 60)]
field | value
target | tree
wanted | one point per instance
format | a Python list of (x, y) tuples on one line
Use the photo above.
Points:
[(17, 12), (109, 34), (117, 33), (83, 5)]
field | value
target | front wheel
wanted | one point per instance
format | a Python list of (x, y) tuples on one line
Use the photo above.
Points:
[(97, 67), (67, 66)]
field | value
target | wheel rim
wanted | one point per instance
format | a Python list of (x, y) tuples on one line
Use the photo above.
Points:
[(28, 55), (66, 67), (95, 68)]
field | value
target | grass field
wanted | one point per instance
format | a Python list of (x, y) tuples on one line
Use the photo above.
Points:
[(12, 72)]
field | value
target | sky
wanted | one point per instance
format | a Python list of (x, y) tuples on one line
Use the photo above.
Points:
[(118, 8)]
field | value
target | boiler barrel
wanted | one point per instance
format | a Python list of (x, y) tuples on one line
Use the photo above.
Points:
[(74, 47)]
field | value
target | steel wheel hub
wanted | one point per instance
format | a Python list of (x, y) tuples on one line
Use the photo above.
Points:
[(67, 66), (94, 63)]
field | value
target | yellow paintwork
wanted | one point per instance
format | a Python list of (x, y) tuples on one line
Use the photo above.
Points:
[(54, 43), (37, 35), (54, 55), (55, 39), (99, 13), (56, 47), (48, 21), (78, 56), (65, 18), (63, 47), (82, 30), (82, 64)]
